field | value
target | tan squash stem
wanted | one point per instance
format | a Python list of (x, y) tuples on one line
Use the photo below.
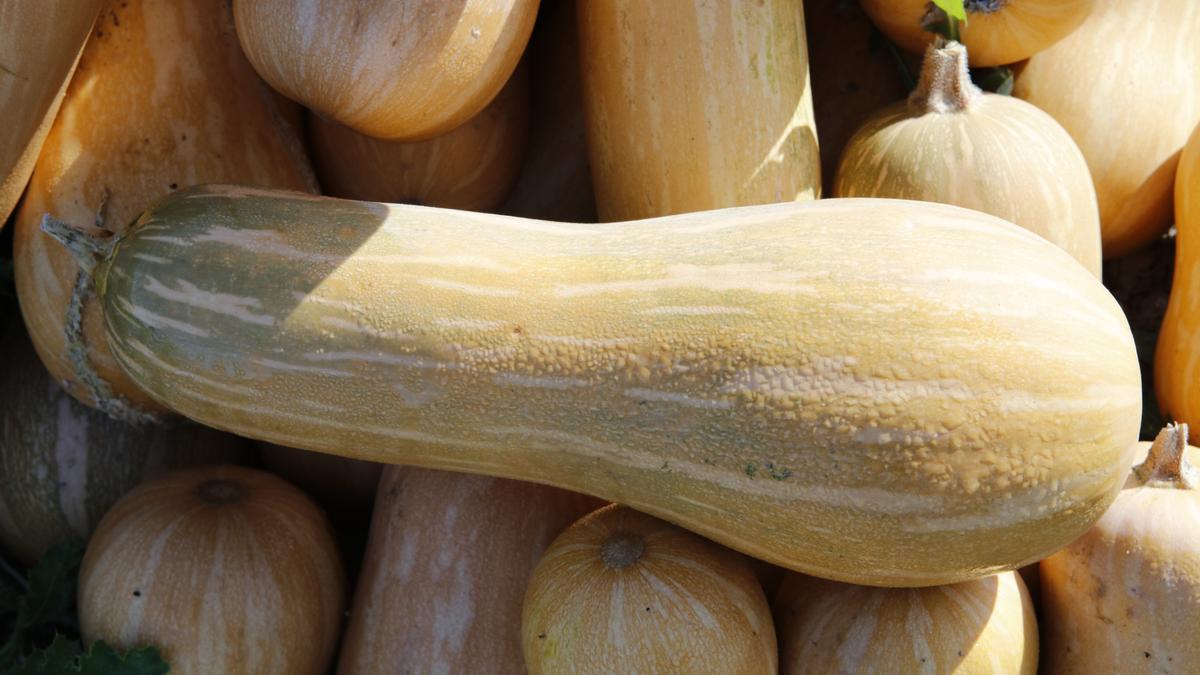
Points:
[(1165, 465), (945, 85)]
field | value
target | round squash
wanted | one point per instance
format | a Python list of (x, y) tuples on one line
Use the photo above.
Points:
[(954, 144), (1176, 370), (63, 464), (1126, 85), (1125, 597), (398, 70), (997, 32), (982, 626), (447, 565), (39, 46), (622, 592), (162, 99), (224, 569), (471, 167), (693, 106)]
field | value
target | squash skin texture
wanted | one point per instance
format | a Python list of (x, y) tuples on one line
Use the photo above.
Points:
[(995, 154), (694, 106), (406, 70), (739, 372), (1175, 369), (1132, 126), (682, 605), (205, 574), (162, 99), (982, 626), (1014, 32), (451, 549)]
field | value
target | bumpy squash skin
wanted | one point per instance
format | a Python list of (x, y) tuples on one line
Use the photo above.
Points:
[(162, 99), (987, 152), (446, 569), (1012, 31), (1176, 370), (982, 626), (62, 464), (399, 70), (965, 404), (696, 106), (471, 167), (39, 45), (1141, 63), (224, 569), (673, 603), (1125, 597)]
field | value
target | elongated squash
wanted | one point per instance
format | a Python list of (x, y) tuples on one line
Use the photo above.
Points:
[(470, 167), (1141, 100), (162, 99), (446, 569), (39, 46), (407, 70), (693, 106), (981, 626), (952, 143), (62, 464), (965, 403)]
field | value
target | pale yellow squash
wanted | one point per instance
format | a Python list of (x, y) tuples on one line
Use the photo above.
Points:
[(696, 106), (952, 143), (622, 592), (1126, 85)]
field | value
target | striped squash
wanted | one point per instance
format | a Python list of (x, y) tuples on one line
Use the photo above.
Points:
[(740, 372), (981, 626), (225, 569), (162, 99), (62, 464), (446, 568), (693, 106), (39, 46), (623, 592)]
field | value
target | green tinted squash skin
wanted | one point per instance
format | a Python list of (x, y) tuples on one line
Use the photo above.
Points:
[(873, 391)]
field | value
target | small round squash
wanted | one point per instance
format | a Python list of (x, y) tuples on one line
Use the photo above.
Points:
[(623, 592), (225, 569)]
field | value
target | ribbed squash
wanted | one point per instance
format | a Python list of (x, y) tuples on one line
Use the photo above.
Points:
[(954, 144), (1175, 365), (1125, 597), (162, 99), (339, 484), (224, 569), (1126, 85), (555, 182), (39, 45), (694, 106), (407, 70), (981, 626), (966, 403), (622, 592), (446, 569), (471, 167), (62, 464), (997, 31)]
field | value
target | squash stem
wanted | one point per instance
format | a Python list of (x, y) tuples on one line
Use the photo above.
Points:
[(945, 85), (1165, 464), (622, 550)]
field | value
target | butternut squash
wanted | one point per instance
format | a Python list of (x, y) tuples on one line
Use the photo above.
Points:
[(407, 70), (162, 99), (966, 403), (694, 106)]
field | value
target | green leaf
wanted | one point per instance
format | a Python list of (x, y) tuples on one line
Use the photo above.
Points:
[(63, 657), (953, 8), (58, 657), (51, 587), (998, 80)]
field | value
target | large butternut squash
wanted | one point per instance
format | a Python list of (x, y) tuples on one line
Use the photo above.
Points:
[(1126, 85), (693, 106), (162, 99), (877, 391), (39, 45)]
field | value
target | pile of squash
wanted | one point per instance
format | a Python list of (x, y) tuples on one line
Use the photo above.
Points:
[(672, 336)]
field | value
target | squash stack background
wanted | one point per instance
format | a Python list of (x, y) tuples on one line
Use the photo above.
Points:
[(598, 336)]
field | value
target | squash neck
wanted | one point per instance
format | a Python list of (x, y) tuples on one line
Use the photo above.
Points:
[(945, 85), (1165, 465)]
